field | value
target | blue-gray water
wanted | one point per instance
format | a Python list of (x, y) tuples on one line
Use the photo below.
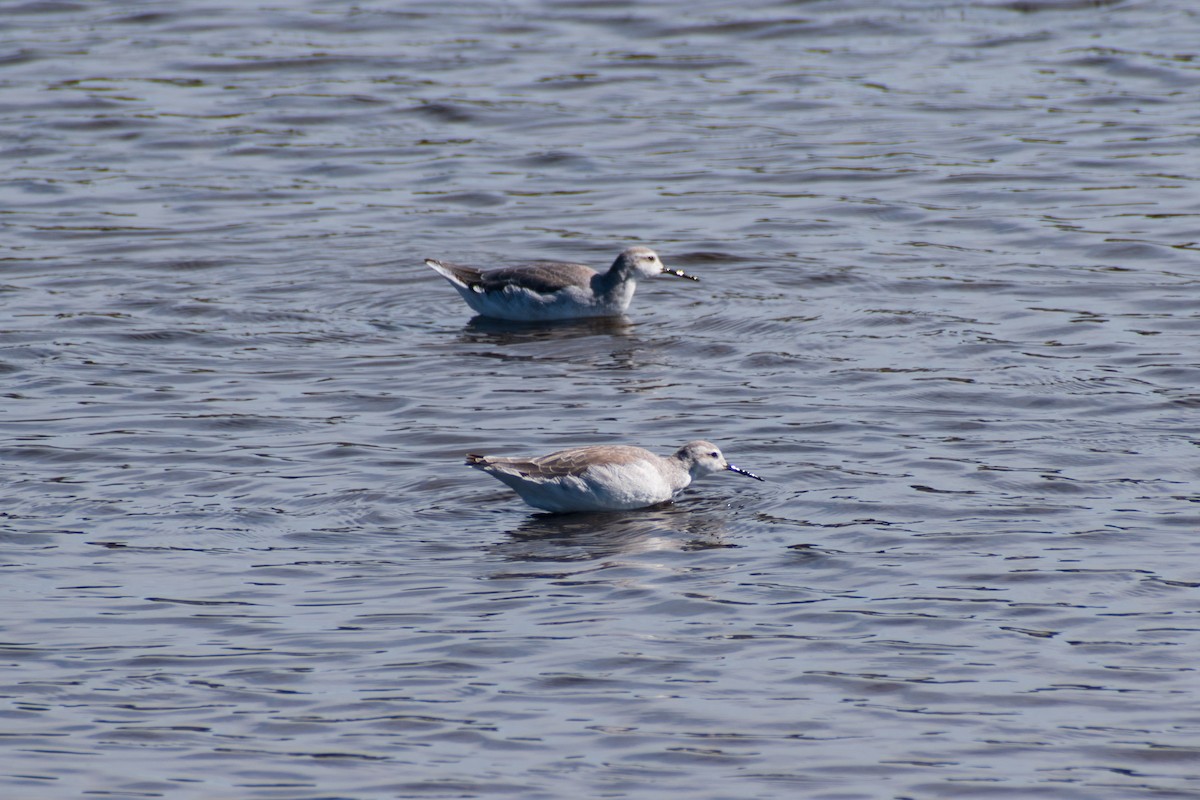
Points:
[(949, 309)]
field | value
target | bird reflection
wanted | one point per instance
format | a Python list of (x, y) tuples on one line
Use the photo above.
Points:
[(591, 536), (485, 330), (581, 341)]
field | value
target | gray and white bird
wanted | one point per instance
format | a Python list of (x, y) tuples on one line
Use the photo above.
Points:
[(604, 477), (554, 290)]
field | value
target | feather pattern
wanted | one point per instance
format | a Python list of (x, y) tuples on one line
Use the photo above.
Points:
[(548, 290), (603, 477)]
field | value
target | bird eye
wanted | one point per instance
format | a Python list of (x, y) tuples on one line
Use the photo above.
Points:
[(714, 454)]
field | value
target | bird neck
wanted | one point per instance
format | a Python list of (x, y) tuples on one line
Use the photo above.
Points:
[(683, 476), (616, 285)]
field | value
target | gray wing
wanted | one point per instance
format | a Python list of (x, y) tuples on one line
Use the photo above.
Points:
[(574, 461), (543, 277), (512, 466)]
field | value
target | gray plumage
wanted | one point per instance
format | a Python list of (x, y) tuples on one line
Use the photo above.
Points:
[(604, 477), (550, 290)]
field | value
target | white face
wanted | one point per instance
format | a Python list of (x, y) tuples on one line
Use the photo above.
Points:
[(707, 457), (647, 263)]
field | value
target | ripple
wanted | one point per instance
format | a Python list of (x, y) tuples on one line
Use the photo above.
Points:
[(947, 313)]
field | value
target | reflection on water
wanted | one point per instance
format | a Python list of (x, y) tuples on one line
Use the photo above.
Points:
[(610, 349), (501, 333), (591, 536)]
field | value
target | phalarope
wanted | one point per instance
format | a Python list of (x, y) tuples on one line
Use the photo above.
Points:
[(604, 477), (549, 290)]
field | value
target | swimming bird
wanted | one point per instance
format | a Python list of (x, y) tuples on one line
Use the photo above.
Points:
[(604, 477), (549, 290)]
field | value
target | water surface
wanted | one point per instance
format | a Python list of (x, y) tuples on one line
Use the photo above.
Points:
[(948, 310)]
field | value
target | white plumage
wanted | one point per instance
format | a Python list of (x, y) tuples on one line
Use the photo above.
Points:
[(604, 477), (550, 290)]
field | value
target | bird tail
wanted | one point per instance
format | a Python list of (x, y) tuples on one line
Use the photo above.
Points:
[(462, 277)]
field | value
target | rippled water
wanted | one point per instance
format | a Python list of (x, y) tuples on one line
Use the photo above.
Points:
[(949, 310)]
